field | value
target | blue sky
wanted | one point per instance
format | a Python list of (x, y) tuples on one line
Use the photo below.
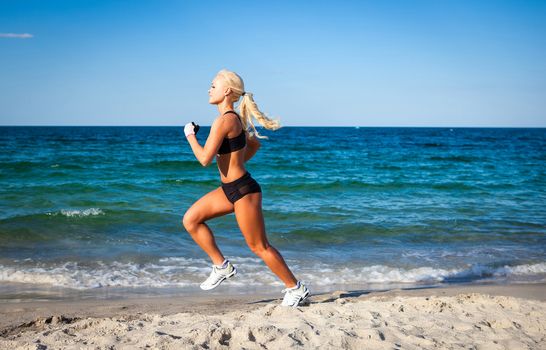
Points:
[(366, 63)]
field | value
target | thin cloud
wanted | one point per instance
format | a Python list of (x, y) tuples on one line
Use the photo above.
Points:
[(16, 36)]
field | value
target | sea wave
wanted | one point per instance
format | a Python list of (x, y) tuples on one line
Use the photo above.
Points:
[(427, 274), (184, 272), (62, 214), (115, 274), (351, 184), (78, 213)]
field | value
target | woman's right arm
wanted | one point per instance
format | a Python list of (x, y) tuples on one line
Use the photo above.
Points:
[(205, 154), (252, 146)]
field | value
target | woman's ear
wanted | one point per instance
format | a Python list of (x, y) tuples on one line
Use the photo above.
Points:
[(228, 91)]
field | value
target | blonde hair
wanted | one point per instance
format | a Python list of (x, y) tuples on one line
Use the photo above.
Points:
[(247, 107)]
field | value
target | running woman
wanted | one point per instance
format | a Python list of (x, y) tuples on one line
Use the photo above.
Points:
[(233, 140)]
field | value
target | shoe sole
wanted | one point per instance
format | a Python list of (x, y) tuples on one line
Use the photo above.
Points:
[(232, 273)]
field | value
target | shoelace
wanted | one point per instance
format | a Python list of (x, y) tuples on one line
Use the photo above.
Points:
[(215, 274)]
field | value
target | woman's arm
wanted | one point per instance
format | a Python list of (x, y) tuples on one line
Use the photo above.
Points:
[(252, 146), (206, 154)]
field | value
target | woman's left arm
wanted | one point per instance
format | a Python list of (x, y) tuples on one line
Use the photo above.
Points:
[(206, 154)]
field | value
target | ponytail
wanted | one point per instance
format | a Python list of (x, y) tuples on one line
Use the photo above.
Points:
[(248, 109)]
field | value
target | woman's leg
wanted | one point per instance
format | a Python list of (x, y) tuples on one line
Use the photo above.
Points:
[(248, 211), (211, 205)]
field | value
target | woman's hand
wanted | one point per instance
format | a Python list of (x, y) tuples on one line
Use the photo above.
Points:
[(191, 129)]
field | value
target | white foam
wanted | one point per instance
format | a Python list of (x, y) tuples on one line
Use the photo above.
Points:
[(182, 272), (522, 270), (116, 274), (79, 213)]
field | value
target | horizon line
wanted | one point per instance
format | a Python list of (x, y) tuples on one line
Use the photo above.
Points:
[(294, 126)]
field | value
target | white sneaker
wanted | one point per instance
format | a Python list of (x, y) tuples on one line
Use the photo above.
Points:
[(218, 275), (295, 295)]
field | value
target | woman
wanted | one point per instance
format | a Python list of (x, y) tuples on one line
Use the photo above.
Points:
[(233, 140)]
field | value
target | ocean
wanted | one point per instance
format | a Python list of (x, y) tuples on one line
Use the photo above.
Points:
[(97, 211)]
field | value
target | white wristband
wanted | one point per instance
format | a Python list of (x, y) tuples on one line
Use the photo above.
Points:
[(188, 129)]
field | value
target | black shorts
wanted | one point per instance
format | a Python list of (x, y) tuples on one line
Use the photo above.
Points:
[(239, 188)]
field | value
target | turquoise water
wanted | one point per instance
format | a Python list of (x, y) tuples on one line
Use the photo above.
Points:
[(87, 208)]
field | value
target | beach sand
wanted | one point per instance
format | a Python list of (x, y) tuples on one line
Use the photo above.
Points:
[(457, 317)]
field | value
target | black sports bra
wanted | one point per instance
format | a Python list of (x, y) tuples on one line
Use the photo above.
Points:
[(235, 143)]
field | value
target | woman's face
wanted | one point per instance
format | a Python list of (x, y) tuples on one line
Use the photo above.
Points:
[(217, 91)]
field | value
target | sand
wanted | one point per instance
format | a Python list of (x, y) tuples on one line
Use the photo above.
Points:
[(461, 317)]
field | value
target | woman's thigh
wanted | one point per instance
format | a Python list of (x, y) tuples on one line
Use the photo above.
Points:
[(211, 205), (248, 212)]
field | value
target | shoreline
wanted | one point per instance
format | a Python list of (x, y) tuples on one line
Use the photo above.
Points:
[(35, 320)]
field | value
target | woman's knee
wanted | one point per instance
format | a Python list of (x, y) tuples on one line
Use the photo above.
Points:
[(190, 221)]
